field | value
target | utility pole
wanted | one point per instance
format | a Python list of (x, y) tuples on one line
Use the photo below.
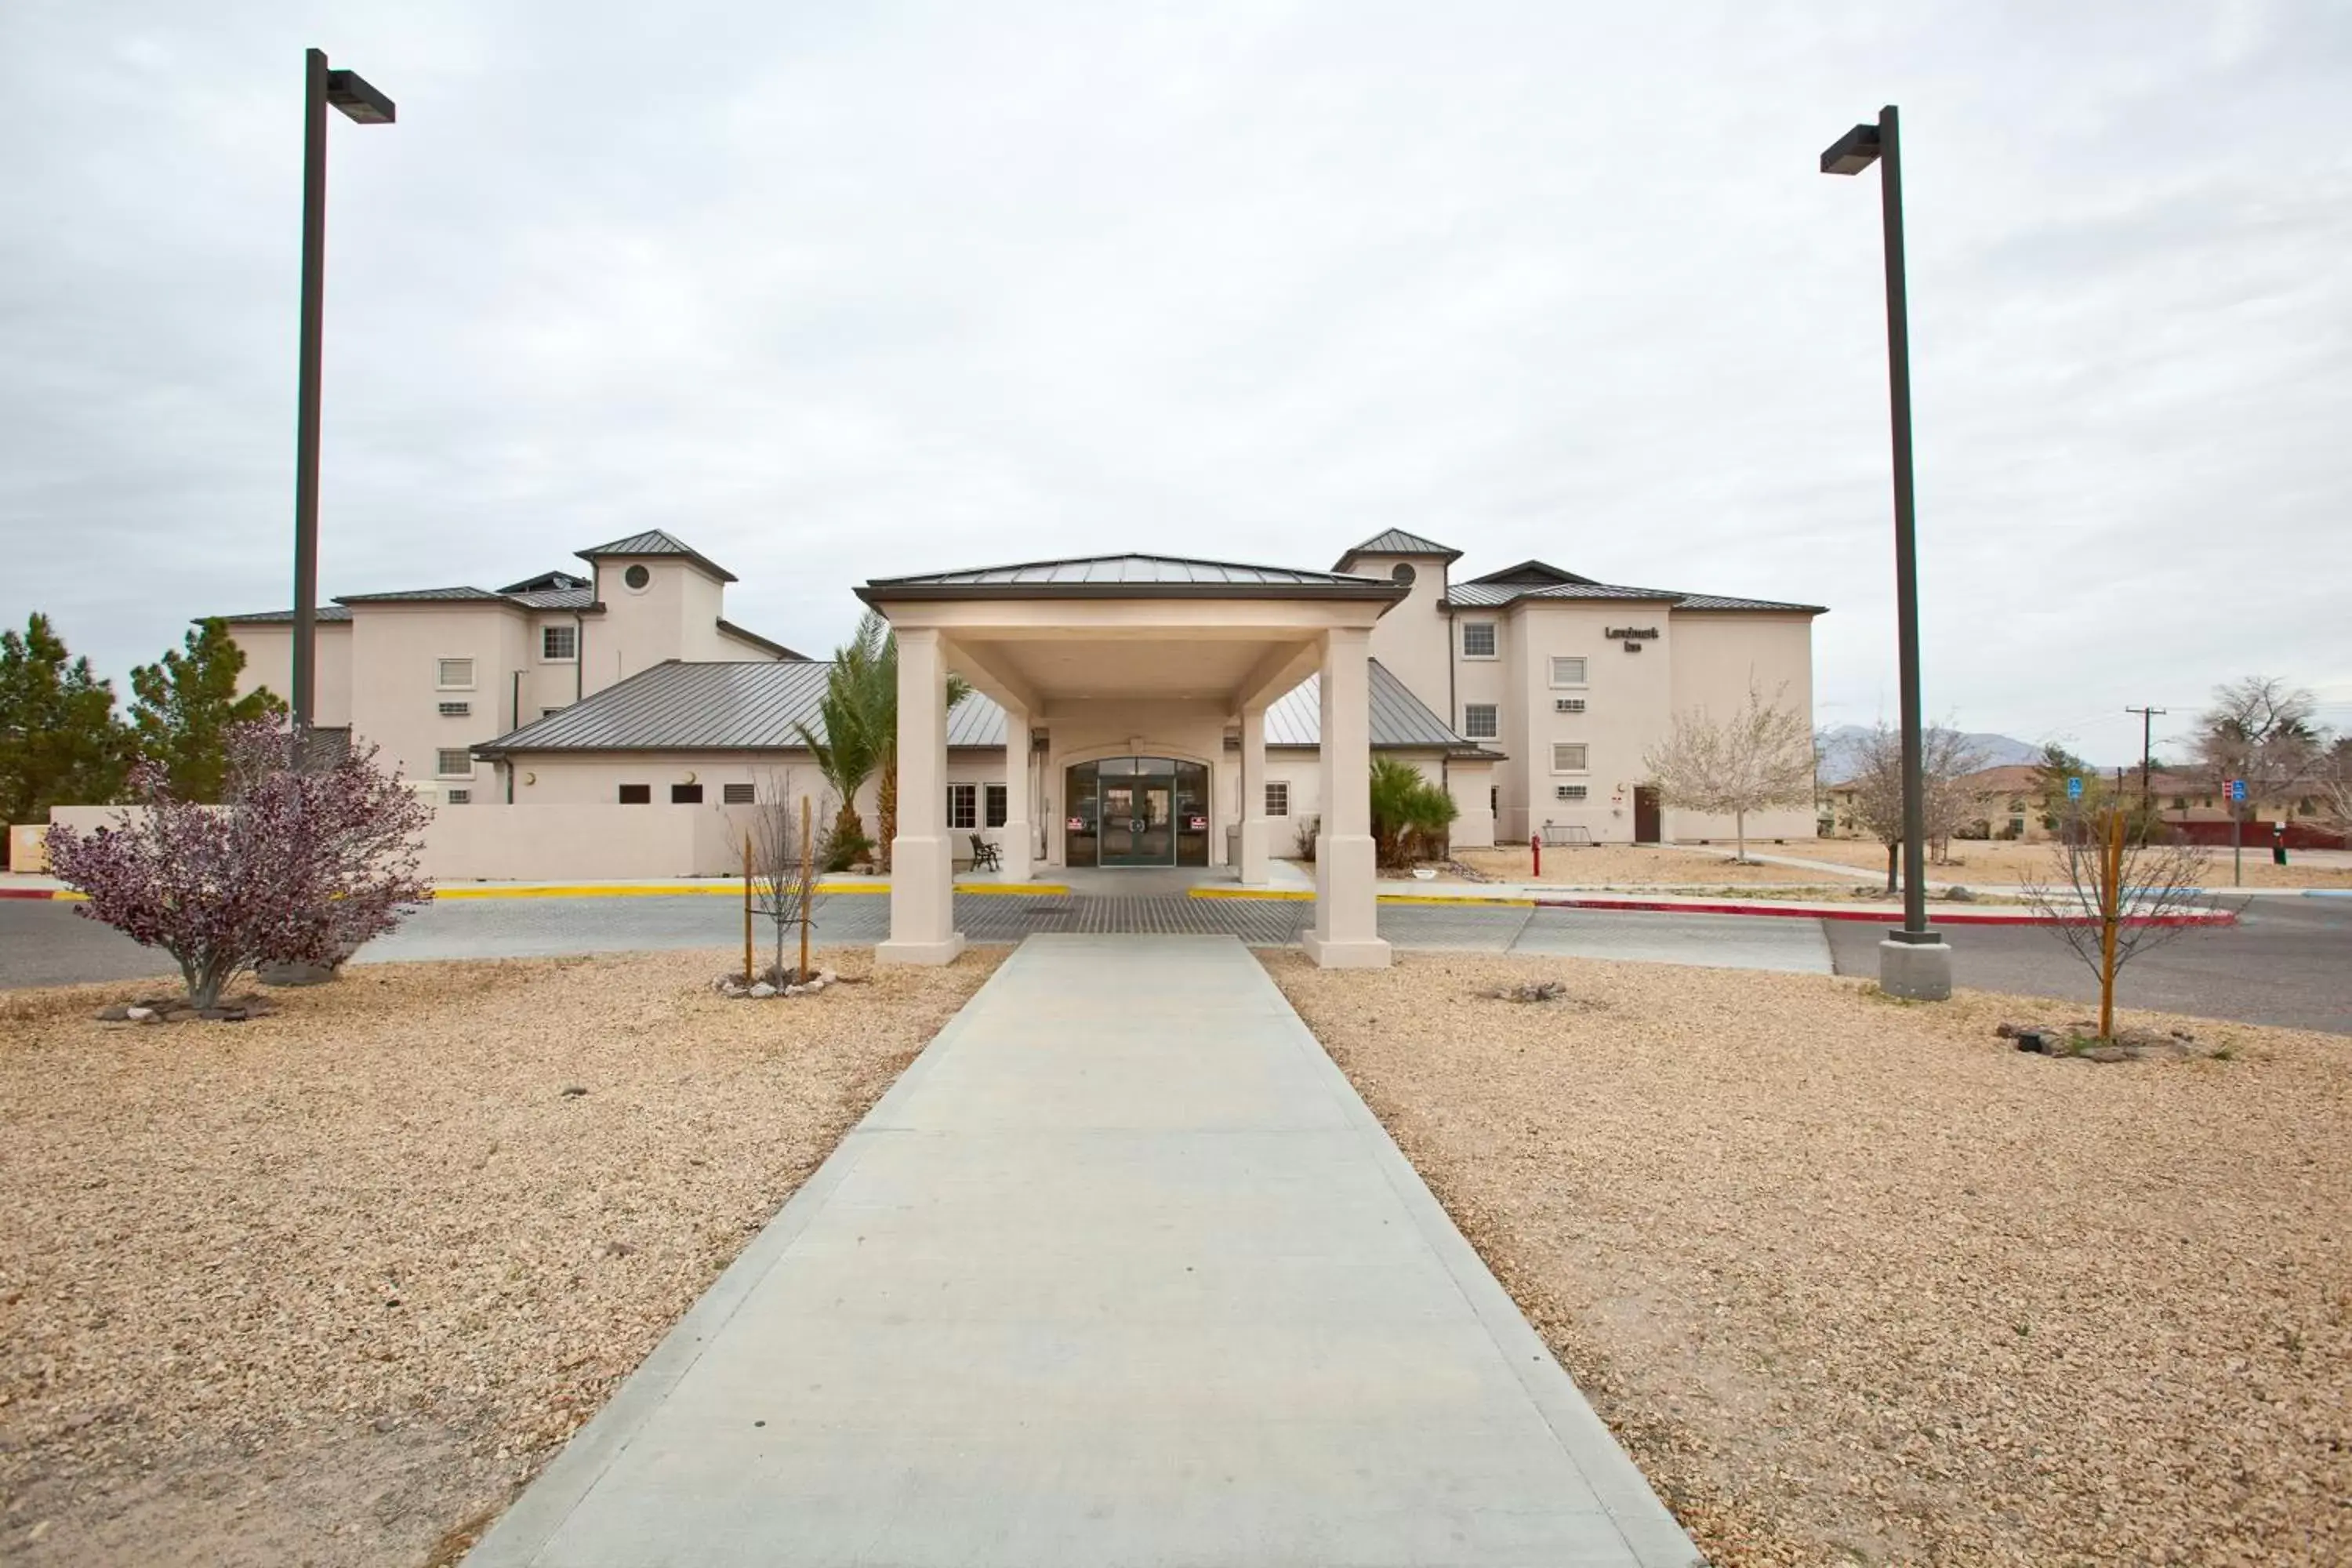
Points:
[(2146, 744)]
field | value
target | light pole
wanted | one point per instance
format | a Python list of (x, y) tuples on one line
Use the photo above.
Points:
[(1912, 961), (365, 105)]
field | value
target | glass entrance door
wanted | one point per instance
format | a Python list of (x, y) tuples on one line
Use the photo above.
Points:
[(1138, 811)]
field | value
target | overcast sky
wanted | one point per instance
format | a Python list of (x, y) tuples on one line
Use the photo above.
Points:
[(839, 291)]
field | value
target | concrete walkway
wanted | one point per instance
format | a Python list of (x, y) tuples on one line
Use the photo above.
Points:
[(1121, 1271)]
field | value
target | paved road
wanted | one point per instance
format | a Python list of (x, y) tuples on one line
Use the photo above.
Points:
[(1121, 1271), (2289, 963)]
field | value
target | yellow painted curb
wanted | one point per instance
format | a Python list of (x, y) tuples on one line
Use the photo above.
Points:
[(1464, 903), (597, 890), (1291, 893), (1030, 889)]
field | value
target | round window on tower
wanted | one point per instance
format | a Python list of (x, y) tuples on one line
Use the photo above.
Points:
[(1403, 576), (636, 577)]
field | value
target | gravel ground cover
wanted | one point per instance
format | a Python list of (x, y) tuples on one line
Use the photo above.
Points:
[(1628, 864), (1997, 863), (324, 1288), (1857, 1282)]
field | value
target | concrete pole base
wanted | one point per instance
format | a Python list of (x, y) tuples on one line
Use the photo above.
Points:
[(1916, 971)]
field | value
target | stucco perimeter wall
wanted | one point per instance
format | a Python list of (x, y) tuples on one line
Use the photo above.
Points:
[(1469, 783), (1716, 658)]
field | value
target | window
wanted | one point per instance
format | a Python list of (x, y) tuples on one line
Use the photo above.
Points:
[(636, 795), (1277, 798), (1478, 720), (1570, 791), (2180, 803), (963, 806), (456, 674), (996, 804), (456, 709), (1477, 640), (685, 795), (558, 642), (1566, 670), (735, 795), (1567, 758), (1402, 574), (454, 762), (636, 578), (460, 797)]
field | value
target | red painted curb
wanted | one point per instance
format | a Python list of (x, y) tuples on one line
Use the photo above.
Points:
[(28, 892), (1883, 916)]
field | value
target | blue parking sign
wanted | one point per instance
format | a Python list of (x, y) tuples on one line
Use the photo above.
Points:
[(2074, 787), (2238, 789)]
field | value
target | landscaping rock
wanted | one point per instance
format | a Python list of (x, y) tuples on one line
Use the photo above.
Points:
[(143, 1015), (761, 992), (118, 1012)]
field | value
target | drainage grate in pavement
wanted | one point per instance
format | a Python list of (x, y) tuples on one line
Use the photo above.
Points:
[(1260, 922)]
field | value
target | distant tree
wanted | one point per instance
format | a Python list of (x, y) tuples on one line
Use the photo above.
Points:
[(186, 705), (296, 867), (2049, 775), (2117, 885), (1409, 815), (1759, 757), (846, 749), (60, 743), (2260, 730), (2336, 785), (1950, 801)]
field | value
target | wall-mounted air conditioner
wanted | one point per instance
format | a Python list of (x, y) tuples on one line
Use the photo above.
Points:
[(1568, 704)]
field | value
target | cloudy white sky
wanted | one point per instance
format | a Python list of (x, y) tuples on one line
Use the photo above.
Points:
[(835, 290)]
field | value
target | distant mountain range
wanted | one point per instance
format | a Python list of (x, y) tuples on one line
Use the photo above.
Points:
[(1842, 748)]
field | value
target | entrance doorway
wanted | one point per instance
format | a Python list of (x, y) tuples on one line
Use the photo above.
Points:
[(1645, 814), (1136, 811)]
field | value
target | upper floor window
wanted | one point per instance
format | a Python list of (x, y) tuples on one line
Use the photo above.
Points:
[(1569, 757), (1566, 670), (558, 642), (454, 762), (454, 674), (1478, 720), (636, 578), (1477, 640)]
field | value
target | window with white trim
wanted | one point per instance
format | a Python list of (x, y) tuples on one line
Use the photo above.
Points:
[(1477, 640), (454, 674), (454, 762), (456, 709), (963, 806), (1570, 792), (735, 795), (1569, 757), (460, 797), (1479, 721), (558, 645), (1277, 798), (998, 803), (1568, 669)]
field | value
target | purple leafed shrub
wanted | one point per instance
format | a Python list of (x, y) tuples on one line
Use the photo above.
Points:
[(292, 868)]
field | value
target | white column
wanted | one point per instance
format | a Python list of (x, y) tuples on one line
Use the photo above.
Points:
[(1018, 833), (922, 860), (1347, 926), (1257, 830)]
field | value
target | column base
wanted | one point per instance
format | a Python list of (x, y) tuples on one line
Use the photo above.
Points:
[(1012, 845), (895, 952), (1916, 971), (1257, 864), (1333, 953)]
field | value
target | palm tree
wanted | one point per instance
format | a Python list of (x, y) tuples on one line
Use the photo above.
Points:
[(861, 724)]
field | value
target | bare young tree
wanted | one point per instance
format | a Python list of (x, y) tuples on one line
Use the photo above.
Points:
[(2261, 730), (785, 868), (2115, 887), (1758, 758), (1951, 802)]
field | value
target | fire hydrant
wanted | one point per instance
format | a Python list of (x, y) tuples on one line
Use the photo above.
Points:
[(2278, 843)]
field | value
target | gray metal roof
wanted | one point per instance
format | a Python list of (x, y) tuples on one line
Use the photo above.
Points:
[(1129, 576), (1481, 595), (679, 706), (1400, 721), (555, 598), (1397, 542), (653, 541), (1534, 573), (263, 618), (546, 582), (420, 596), (1722, 602)]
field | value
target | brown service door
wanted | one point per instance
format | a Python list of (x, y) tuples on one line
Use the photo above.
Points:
[(1645, 814)]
